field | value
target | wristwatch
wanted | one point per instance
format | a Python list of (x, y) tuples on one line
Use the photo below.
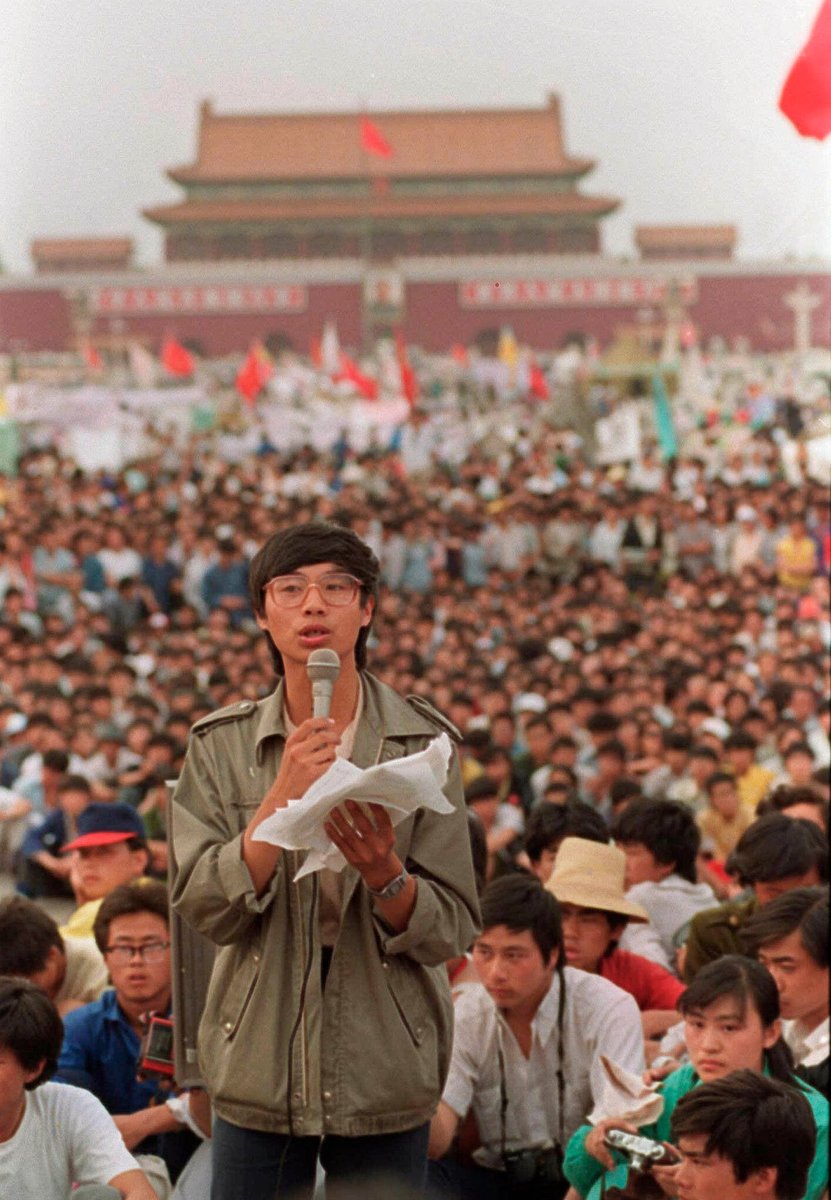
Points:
[(392, 888)]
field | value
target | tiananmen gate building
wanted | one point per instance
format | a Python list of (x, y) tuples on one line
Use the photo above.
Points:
[(445, 223)]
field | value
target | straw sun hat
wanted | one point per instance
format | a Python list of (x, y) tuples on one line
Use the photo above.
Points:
[(591, 875)]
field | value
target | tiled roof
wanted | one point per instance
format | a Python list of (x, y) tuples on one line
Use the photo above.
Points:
[(383, 207), (452, 142), (94, 249), (654, 236)]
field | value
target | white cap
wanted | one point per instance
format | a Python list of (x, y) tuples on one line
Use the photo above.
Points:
[(529, 702), (745, 513)]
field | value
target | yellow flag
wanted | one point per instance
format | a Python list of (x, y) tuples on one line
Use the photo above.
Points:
[(508, 351)]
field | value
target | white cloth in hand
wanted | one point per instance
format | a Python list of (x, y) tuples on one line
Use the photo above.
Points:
[(626, 1097), (401, 786)]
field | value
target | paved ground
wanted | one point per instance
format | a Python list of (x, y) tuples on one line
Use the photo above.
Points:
[(60, 909)]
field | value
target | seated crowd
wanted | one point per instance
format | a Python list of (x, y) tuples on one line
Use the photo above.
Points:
[(644, 743)]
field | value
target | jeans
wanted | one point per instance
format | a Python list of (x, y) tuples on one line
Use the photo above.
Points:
[(449, 1180), (251, 1165)]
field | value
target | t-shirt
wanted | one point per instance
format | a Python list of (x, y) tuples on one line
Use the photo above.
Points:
[(722, 833), (651, 985), (66, 1136), (81, 921)]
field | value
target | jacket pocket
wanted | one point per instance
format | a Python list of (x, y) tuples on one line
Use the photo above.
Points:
[(407, 997), (235, 986)]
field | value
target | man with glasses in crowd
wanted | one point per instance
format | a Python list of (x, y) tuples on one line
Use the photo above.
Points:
[(328, 1021), (102, 1040)]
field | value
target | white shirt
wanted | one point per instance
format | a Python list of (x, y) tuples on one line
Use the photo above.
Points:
[(671, 903), (809, 1049), (66, 1136), (599, 1018)]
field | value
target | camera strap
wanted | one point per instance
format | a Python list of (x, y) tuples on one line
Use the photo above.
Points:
[(560, 1074)]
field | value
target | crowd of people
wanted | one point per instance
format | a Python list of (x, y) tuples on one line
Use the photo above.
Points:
[(633, 659)]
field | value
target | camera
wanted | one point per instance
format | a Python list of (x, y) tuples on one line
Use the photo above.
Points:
[(534, 1166), (641, 1152), (155, 1060)]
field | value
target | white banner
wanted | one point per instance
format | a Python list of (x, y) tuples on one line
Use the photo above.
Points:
[(211, 298), (575, 290)]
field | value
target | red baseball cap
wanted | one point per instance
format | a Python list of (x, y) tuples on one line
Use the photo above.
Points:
[(104, 824)]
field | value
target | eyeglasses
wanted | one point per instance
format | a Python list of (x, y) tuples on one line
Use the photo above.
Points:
[(149, 952), (336, 588)]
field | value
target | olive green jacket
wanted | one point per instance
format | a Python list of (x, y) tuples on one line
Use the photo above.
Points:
[(369, 1055)]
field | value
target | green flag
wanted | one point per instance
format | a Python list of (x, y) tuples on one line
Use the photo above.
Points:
[(667, 441)]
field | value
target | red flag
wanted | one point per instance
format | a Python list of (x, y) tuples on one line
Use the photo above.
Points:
[(367, 386), (409, 383), (373, 141), (253, 375), (92, 358), (176, 359), (537, 383), (315, 352), (460, 354), (806, 95)]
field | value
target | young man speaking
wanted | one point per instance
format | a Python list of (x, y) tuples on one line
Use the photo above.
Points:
[(328, 1021)]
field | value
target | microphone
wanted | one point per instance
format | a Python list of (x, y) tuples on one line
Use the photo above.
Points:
[(323, 668)]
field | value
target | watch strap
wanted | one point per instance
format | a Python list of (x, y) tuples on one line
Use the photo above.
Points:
[(392, 888)]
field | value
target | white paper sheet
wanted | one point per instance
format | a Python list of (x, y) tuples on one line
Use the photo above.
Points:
[(401, 786), (626, 1097)]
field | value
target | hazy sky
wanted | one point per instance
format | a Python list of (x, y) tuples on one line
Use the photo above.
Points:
[(675, 100)]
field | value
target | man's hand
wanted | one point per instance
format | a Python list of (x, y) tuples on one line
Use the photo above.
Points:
[(667, 1177), (595, 1144), (308, 754), (367, 845), (135, 1127)]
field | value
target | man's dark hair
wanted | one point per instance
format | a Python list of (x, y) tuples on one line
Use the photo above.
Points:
[(520, 902), (550, 823), (134, 897), (753, 1122), (30, 1027), (27, 934), (802, 909), (625, 789), (603, 722), (304, 545), (74, 783), (740, 740), (776, 846), (675, 739), (481, 788), (747, 982), (666, 828), (798, 748), (702, 751), (719, 777), (56, 760), (784, 797)]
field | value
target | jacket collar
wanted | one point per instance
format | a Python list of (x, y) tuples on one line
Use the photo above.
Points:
[(385, 715)]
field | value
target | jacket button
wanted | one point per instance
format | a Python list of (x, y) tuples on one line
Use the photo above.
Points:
[(327, 1095), (227, 1027), (256, 957), (385, 965), (298, 1096)]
